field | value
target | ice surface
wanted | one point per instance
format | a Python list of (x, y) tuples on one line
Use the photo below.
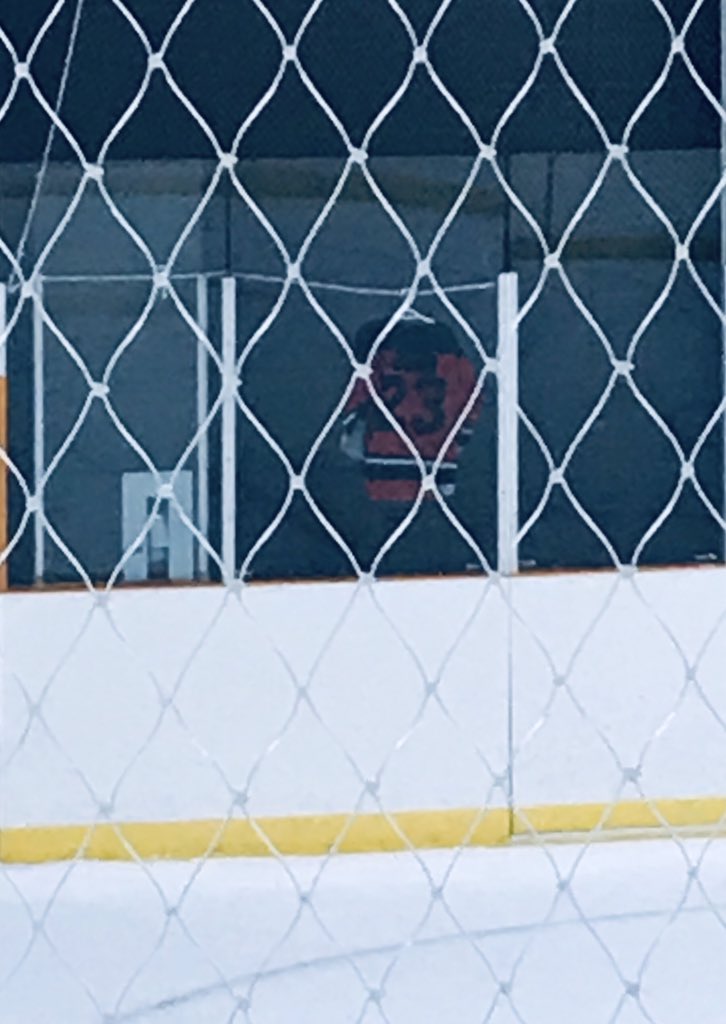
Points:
[(625, 932)]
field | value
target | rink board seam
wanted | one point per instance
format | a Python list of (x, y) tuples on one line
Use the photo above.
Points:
[(316, 835)]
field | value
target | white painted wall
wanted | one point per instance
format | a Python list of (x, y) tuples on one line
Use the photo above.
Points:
[(164, 704)]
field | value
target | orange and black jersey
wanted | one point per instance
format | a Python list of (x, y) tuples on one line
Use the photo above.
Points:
[(425, 381)]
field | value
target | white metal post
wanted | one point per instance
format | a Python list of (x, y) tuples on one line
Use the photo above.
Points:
[(38, 428), (203, 443), (229, 423), (508, 423)]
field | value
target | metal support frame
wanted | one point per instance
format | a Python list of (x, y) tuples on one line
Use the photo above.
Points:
[(229, 428), (508, 423), (38, 430), (507, 414), (202, 489)]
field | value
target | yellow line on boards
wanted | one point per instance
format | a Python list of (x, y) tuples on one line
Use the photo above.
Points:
[(310, 835), (661, 814), (259, 837)]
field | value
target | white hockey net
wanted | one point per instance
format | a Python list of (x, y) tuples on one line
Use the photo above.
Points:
[(228, 231)]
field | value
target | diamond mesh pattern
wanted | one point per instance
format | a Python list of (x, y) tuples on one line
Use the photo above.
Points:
[(167, 698)]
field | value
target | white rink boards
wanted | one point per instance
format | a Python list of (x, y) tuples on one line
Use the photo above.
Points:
[(107, 743)]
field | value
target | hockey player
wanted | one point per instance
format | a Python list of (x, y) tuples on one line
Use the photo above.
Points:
[(425, 381)]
